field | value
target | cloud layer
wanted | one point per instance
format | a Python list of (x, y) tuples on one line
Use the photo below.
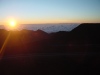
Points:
[(49, 28)]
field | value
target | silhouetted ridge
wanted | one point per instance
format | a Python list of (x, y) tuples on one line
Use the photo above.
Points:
[(40, 41), (41, 32), (39, 53), (87, 28), (87, 31)]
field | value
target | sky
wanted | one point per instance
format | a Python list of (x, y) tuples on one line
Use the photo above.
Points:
[(50, 11)]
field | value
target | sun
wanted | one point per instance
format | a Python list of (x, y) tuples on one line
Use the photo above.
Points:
[(12, 24)]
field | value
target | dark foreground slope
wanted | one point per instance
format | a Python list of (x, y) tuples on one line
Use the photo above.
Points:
[(29, 52)]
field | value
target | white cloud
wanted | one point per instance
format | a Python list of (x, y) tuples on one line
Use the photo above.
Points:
[(49, 28)]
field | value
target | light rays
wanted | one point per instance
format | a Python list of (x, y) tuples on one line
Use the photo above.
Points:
[(4, 45)]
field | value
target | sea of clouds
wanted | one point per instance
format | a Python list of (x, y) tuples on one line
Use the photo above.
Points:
[(49, 28)]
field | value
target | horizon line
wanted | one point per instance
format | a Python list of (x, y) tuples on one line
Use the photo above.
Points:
[(54, 23)]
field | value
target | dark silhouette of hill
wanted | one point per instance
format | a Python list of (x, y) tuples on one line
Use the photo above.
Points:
[(87, 27), (88, 32), (28, 52)]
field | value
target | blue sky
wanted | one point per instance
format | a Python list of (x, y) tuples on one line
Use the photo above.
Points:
[(50, 11)]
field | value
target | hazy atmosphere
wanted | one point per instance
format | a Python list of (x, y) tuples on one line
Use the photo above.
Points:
[(50, 11)]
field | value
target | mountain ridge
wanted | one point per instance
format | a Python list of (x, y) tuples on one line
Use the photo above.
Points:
[(29, 51)]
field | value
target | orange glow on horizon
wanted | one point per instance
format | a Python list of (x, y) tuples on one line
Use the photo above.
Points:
[(44, 21)]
